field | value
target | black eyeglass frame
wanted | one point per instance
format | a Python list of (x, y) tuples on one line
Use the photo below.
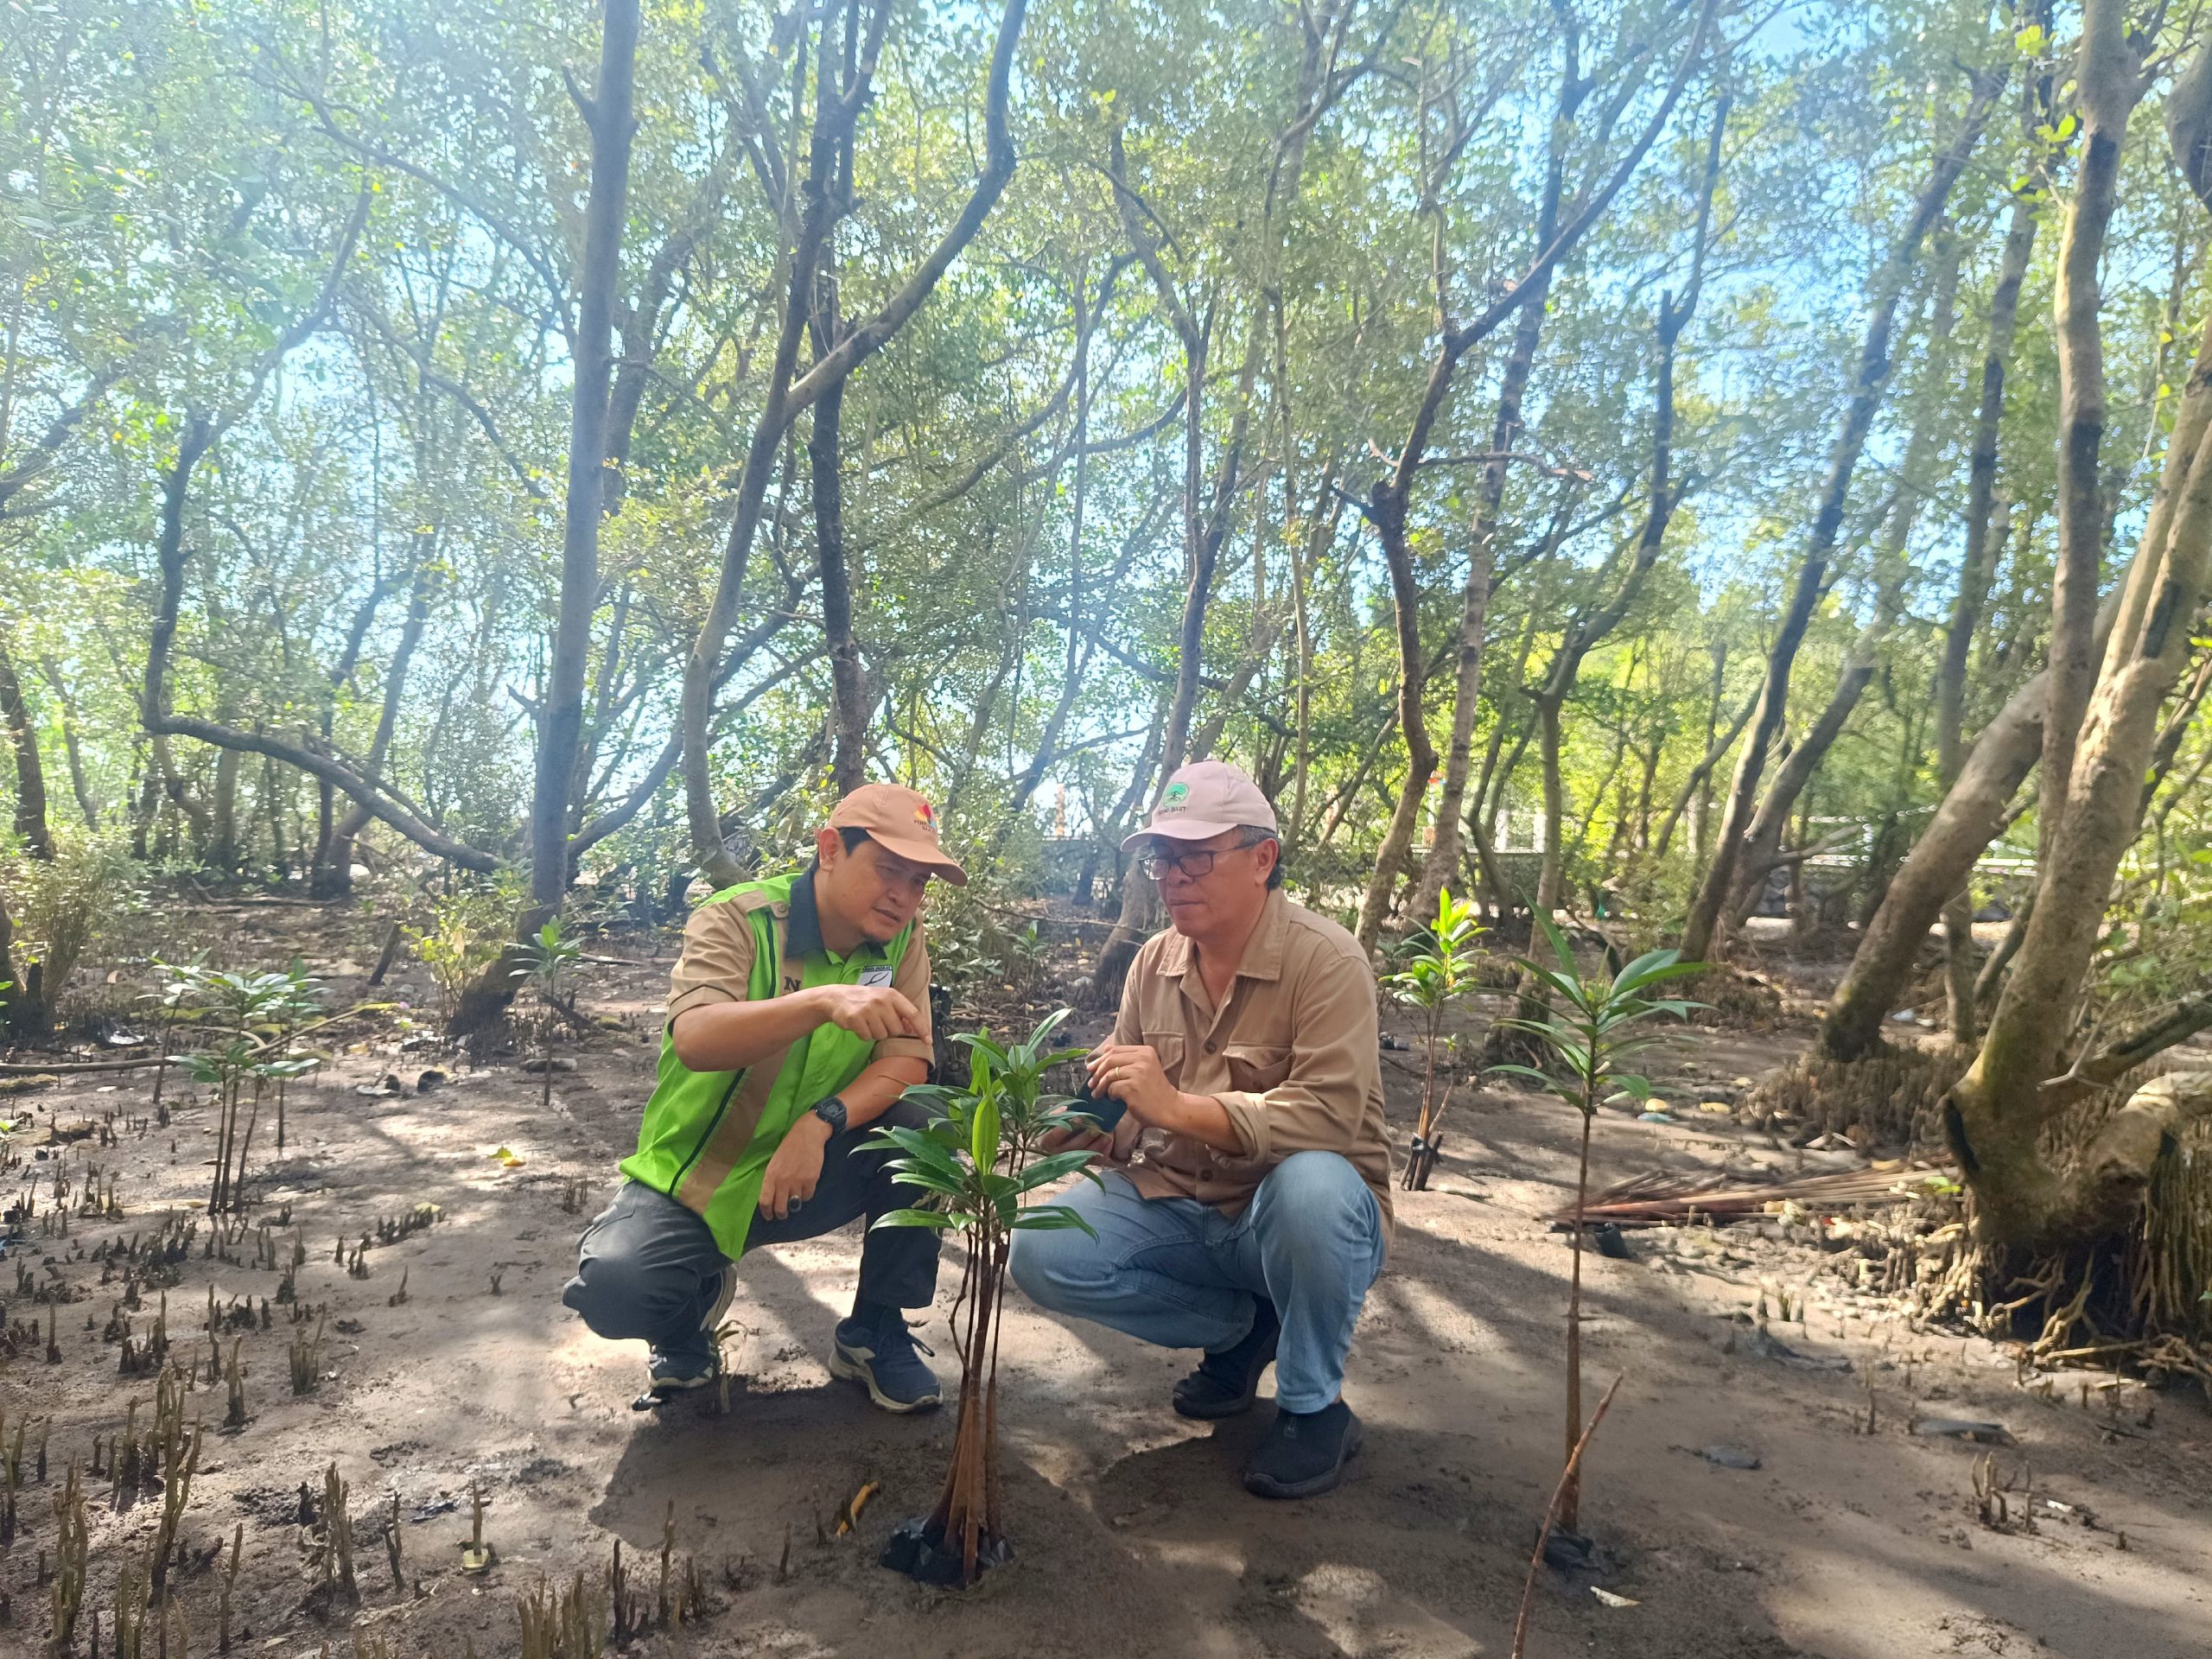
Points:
[(1198, 861)]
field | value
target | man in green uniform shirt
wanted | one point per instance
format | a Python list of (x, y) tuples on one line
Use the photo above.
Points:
[(798, 1015)]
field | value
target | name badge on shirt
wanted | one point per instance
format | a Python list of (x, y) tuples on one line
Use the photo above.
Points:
[(876, 975)]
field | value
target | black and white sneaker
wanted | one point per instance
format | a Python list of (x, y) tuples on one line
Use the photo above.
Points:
[(887, 1361)]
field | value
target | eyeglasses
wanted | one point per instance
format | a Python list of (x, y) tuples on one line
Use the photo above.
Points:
[(1194, 863)]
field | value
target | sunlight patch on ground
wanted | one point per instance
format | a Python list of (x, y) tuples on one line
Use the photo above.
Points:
[(1355, 1609)]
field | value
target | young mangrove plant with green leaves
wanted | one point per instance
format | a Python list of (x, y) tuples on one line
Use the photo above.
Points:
[(175, 999), (1597, 1025), (1438, 968), (259, 1014), (547, 958), (287, 1007), (978, 1161)]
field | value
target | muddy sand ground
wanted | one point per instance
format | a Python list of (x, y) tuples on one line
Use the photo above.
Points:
[(1131, 1533)]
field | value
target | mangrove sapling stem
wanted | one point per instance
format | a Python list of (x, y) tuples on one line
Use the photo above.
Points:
[(162, 1072), (226, 1120), (245, 1145), (1587, 1039), (1573, 1473), (392, 1545), (229, 1584), (1571, 1501)]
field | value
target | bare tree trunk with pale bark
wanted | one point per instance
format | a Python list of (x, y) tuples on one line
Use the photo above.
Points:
[(2028, 1069), (1699, 929)]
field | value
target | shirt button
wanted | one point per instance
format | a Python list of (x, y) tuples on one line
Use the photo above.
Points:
[(1205, 1174), (1210, 1047)]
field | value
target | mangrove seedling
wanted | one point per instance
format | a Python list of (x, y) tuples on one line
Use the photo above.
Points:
[(306, 1357), (290, 1005), (224, 1071), (177, 984), (546, 957), (980, 1157), (475, 1555), (177, 1493), (1438, 968), (229, 1583), (1599, 1024), (337, 1540), (71, 1554), (234, 1416), (562, 1621)]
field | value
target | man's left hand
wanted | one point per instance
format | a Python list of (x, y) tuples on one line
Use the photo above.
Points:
[(795, 1169), (1131, 1073)]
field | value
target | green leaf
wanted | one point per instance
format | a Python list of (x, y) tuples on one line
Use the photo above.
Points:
[(936, 1220), (1051, 1217), (980, 1042), (1527, 1072), (983, 1133), (1047, 1170), (929, 1180), (1665, 971), (1051, 1023)]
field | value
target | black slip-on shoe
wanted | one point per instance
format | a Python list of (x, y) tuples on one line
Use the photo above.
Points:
[(1227, 1383), (1305, 1453)]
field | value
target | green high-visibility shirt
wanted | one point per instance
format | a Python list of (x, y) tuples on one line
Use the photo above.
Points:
[(707, 1135)]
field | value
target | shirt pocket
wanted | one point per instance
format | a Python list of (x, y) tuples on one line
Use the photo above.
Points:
[(1254, 1068), (1168, 1045)]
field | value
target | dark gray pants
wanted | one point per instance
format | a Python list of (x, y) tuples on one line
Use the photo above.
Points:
[(648, 1268)]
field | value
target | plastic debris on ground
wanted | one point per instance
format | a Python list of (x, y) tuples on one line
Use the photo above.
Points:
[(1977, 1430)]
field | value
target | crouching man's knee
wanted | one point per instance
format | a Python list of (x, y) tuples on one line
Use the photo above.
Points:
[(1314, 1204), (1055, 1269), (620, 1298)]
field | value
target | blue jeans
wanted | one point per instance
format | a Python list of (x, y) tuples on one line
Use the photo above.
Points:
[(1178, 1273)]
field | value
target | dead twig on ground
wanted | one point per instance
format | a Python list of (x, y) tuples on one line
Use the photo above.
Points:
[(1551, 1510)]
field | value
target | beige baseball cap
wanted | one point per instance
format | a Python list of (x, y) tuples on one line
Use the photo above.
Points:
[(1203, 799), (903, 822)]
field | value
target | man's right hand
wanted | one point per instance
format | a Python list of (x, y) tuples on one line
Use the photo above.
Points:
[(874, 1012)]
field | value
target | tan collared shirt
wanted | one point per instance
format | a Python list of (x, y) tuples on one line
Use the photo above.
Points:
[(716, 965), (1293, 1056)]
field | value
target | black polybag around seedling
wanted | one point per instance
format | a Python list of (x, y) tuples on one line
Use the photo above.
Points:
[(1578, 1554), (917, 1549)]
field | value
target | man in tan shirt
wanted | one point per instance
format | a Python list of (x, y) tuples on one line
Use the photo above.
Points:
[(1245, 1206)]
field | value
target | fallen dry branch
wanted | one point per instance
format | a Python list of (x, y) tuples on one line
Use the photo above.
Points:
[(1662, 1197)]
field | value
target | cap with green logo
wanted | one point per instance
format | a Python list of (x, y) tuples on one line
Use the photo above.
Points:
[(1203, 799)]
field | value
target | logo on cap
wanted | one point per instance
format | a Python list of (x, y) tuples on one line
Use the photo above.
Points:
[(1177, 795), (924, 816)]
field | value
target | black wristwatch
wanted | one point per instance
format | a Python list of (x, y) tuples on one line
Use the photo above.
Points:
[(832, 1112)]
